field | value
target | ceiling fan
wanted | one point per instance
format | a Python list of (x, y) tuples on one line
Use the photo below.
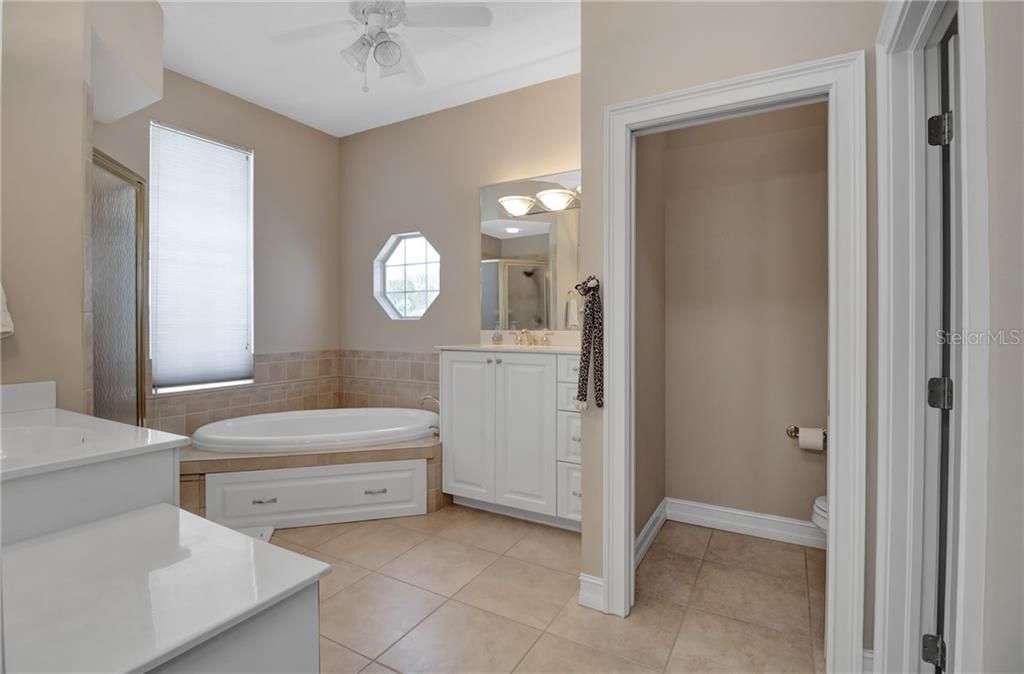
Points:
[(379, 41)]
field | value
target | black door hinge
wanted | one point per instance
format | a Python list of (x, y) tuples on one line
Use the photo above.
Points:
[(940, 393), (933, 650), (940, 128)]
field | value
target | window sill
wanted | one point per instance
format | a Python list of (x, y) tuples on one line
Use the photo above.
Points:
[(206, 388)]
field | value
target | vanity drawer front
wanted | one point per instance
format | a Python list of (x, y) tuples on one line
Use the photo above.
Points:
[(567, 397), (569, 368), (570, 491), (569, 437), (318, 494)]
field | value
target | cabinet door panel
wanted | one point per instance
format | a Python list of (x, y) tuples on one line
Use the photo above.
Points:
[(467, 424), (525, 432)]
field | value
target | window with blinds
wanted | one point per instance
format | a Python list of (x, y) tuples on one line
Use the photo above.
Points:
[(200, 260)]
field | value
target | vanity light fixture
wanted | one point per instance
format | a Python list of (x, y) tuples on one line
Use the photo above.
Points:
[(517, 206), (557, 199), (512, 230)]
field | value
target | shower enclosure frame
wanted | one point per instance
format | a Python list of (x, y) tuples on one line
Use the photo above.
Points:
[(138, 183), (839, 80)]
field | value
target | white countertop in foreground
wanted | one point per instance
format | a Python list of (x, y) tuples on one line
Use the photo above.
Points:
[(133, 591), (511, 348), (44, 440)]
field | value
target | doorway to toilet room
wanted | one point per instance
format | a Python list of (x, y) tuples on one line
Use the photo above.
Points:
[(735, 367)]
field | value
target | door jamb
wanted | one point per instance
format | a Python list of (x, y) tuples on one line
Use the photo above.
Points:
[(900, 77), (841, 80)]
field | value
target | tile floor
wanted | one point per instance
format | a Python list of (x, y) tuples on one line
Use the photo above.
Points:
[(461, 590)]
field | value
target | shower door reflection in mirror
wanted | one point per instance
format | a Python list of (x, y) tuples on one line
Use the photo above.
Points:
[(529, 253), (118, 282)]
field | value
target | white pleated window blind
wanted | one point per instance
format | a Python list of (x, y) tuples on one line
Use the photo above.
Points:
[(200, 260)]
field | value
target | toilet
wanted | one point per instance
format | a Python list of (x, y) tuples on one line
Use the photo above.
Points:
[(820, 514)]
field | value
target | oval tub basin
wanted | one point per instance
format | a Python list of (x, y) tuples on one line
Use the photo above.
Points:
[(313, 430)]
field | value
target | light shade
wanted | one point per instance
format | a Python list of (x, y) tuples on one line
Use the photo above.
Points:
[(516, 205), (357, 52), (387, 53), (556, 200)]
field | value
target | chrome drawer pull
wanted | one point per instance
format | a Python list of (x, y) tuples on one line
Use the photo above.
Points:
[(374, 492), (264, 501), (577, 494)]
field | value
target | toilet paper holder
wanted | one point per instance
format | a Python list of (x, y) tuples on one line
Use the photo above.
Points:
[(794, 432)]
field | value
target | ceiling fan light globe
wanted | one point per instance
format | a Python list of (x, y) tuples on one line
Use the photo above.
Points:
[(358, 52), (387, 53)]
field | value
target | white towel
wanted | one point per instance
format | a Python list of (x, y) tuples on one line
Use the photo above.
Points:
[(572, 312), (6, 323)]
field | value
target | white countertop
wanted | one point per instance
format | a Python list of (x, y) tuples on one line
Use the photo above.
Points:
[(133, 591), (511, 348), (44, 440)]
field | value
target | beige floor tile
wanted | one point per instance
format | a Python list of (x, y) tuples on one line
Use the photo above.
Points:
[(757, 554), (712, 643), (526, 593), (460, 638), (555, 654), (816, 569), (377, 668), (374, 612), (371, 545), (287, 545), (495, 533), (645, 637), (341, 576), (439, 566), (667, 576), (551, 547), (817, 599), (336, 659), (682, 539), (434, 522), (769, 601), (310, 537)]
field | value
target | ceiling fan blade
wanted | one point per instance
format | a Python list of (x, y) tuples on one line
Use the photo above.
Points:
[(314, 32), (447, 14)]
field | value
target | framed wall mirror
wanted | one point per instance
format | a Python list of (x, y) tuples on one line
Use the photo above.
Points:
[(529, 253)]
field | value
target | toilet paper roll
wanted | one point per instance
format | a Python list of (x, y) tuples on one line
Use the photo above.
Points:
[(812, 439)]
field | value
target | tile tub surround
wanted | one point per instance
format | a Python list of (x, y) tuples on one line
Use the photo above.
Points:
[(388, 378), (439, 598), (304, 380), (197, 464)]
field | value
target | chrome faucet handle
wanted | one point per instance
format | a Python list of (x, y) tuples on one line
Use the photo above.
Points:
[(430, 398)]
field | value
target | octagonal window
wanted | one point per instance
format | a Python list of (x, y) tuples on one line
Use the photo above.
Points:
[(407, 276)]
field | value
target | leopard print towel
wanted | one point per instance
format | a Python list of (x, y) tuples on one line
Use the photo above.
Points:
[(592, 343)]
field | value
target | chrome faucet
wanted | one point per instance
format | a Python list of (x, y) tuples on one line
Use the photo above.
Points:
[(432, 399)]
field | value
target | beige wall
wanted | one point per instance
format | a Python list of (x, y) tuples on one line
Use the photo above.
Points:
[(1004, 591), (295, 205), (746, 310), (45, 217), (425, 175), (650, 404), (627, 54)]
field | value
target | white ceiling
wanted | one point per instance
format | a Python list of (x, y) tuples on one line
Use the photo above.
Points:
[(228, 45), (527, 227)]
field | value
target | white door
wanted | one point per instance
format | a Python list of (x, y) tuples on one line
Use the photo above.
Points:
[(525, 431), (467, 385)]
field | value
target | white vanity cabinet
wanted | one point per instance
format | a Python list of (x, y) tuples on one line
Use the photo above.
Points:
[(504, 429)]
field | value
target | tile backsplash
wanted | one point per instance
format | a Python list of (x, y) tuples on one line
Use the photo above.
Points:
[(303, 381)]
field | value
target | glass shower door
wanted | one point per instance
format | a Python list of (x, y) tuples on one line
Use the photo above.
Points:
[(118, 199)]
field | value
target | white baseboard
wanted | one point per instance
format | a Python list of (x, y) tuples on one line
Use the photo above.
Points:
[(868, 661), (647, 534), (592, 592), (777, 528), (497, 508)]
